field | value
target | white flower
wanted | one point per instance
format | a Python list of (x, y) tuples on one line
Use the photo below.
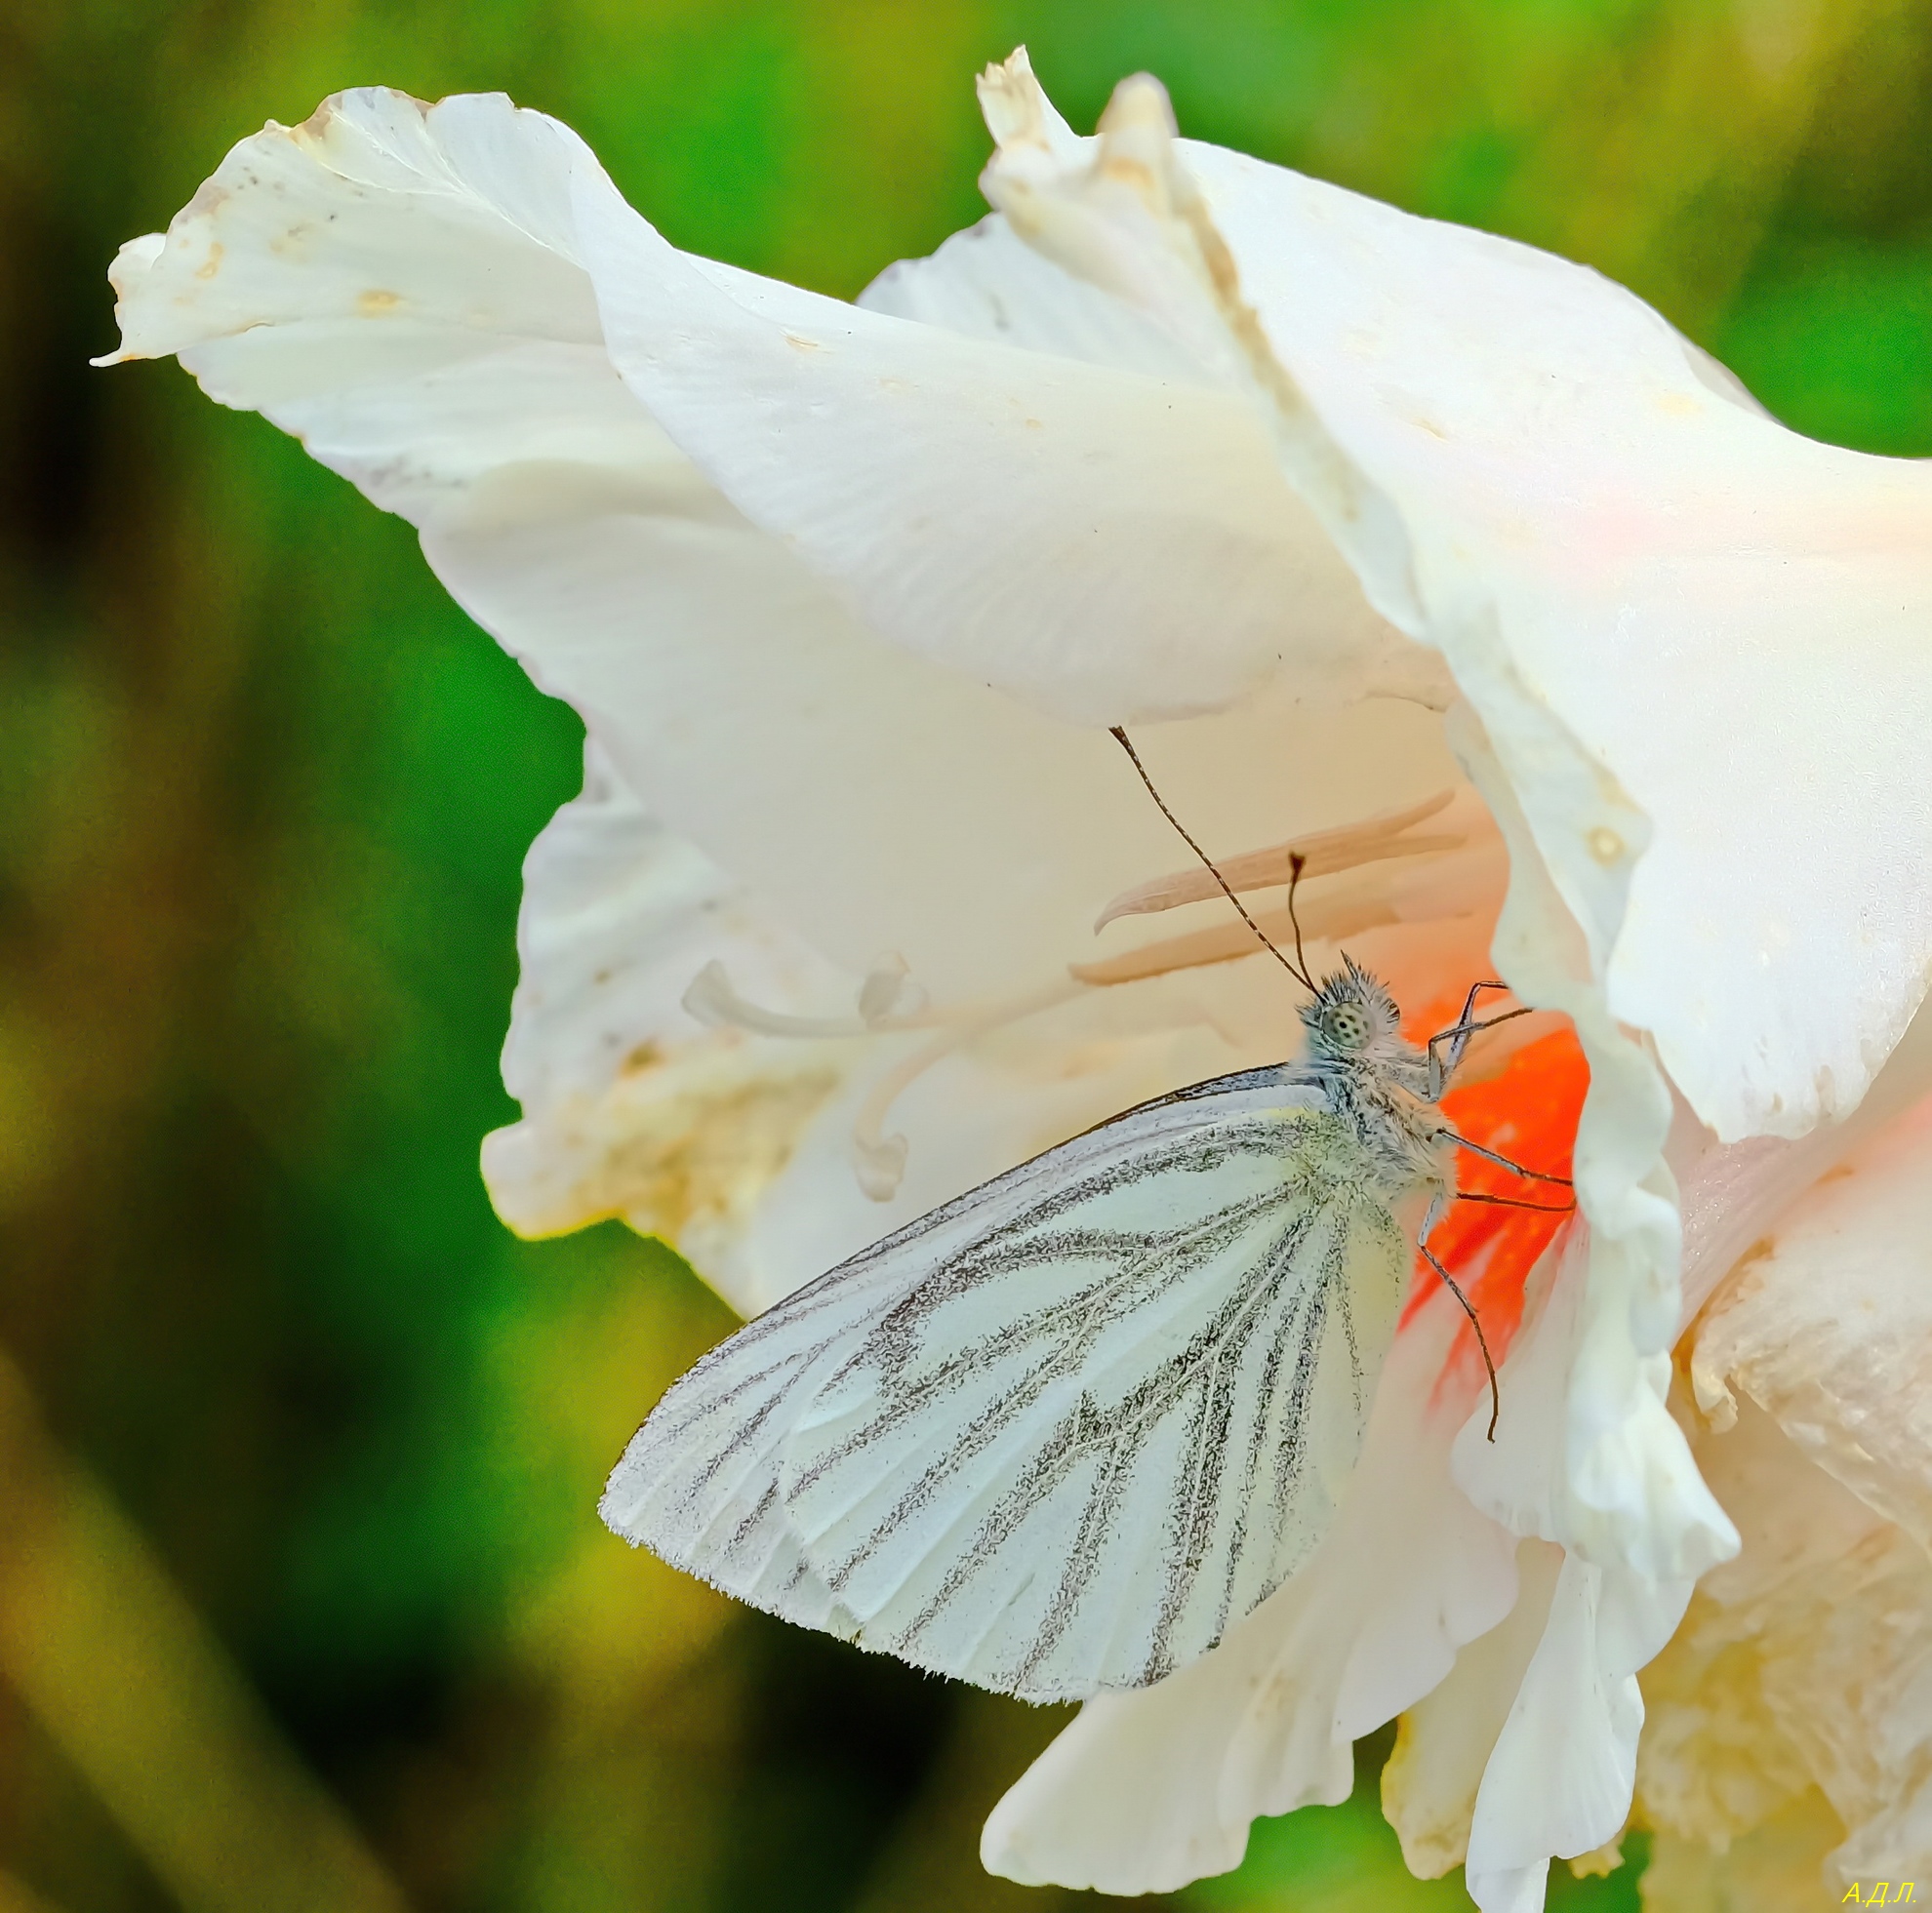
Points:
[(1351, 512)]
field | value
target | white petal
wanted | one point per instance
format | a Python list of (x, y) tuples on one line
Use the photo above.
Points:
[(630, 1107), (726, 684), (1147, 1791), (961, 829), (988, 284), (1828, 1324), (1733, 1196), (722, 676), (1634, 553), (1431, 1783), (1128, 214), (1808, 1656), (1526, 1480), (1531, 471), (1108, 544), (1495, 481), (1715, 1761), (1593, 1459), (1585, 1455), (737, 1144), (1560, 1777), (1532, 1479), (460, 239)]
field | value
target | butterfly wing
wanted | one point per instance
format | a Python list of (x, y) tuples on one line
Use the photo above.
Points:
[(1061, 1433)]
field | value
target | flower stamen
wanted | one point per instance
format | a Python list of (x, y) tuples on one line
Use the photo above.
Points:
[(1323, 853), (879, 1159), (1454, 877), (888, 999), (890, 1003)]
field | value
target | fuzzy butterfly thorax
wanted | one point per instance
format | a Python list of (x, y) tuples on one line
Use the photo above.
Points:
[(1376, 1079)]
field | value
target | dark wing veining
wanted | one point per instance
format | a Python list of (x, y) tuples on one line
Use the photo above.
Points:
[(1062, 1433)]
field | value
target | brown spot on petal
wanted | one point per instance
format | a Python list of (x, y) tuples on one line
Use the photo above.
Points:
[(677, 1142), (800, 344), (1133, 174), (376, 304), (212, 265), (1605, 845)]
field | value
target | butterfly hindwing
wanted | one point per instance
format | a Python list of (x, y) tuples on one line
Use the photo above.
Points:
[(1061, 1433)]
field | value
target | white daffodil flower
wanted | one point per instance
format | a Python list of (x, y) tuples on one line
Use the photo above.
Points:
[(1442, 558)]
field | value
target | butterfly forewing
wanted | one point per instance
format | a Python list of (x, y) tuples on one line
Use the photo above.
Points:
[(1061, 1434)]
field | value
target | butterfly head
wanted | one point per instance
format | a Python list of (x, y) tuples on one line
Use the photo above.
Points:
[(1352, 1021)]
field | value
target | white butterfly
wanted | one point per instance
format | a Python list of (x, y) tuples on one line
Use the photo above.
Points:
[(1062, 1433)]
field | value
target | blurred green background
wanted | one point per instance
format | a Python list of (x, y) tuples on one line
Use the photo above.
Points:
[(302, 1599)]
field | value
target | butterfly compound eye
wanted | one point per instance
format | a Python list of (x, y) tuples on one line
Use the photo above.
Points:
[(1346, 1026)]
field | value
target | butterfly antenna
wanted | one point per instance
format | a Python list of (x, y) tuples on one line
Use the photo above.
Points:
[(1297, 864), (1301, 974)]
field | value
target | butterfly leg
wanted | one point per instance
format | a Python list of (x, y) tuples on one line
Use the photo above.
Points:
[(1437, 1204), (1516, 1202), (1439, 1072), (1504, 1161), (1458, 1035)]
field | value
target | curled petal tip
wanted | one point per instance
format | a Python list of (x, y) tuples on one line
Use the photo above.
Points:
[(1017, 111), (1140, 105), (1012, 102)]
